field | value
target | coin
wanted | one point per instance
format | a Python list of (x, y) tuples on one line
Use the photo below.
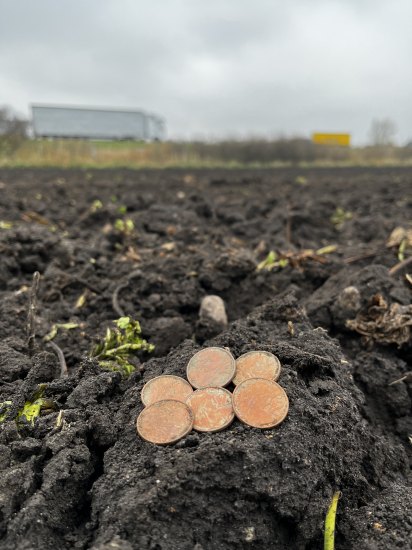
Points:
[(165, 422), (260, 403), (166, 387), (256, 364), (211, 367), (212, 409)]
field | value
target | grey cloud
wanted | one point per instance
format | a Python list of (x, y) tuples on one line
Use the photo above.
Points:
[(216, 68)]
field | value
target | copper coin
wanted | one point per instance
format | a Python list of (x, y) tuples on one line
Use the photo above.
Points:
[(165, 422), (256, 364), (212, 409), (260, 403), (211, 367), (166, 387)]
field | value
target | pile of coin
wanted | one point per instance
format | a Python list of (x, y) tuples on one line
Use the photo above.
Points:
[(173, 408)]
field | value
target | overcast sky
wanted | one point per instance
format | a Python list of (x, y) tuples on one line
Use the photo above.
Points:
[(216, 68)]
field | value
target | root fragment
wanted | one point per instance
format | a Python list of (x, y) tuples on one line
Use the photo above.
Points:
[(383, 323), (63, 365), (115, 296), (399, 266), (406, 377)]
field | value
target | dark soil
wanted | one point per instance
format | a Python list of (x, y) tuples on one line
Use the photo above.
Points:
[(91, 482)]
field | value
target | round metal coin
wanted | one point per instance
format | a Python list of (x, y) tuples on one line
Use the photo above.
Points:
[(166, 387), (212, 409), (256, 364), (211, 367), (260, 403), (165, 422)]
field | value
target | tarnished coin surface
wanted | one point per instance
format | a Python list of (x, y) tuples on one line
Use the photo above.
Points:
[(256, 364), (166, 387), (212, 409), (211, 367), (165, 422), (260, 403)]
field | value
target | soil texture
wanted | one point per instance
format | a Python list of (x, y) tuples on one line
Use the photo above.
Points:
[(151, 245)]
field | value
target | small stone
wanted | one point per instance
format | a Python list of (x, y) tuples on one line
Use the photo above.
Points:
[(154, 299), (115, 544), (349, 300), (213, 309), (249, 534), (212, 318)]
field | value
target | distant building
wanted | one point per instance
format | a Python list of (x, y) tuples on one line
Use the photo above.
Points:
[(53, 121), (339, 140)]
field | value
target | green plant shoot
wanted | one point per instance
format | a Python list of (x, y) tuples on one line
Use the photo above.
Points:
[(5, 225), (114, 350), (55, 329), (329, 541), (96, 205), (268, 262), (31, 409), (125, 226), (326, 249), (4, 408), (401, 249), (271, 261), (301, 180), (340, 216)]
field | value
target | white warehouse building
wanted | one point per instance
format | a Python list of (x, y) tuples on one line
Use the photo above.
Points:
[(54, 121)]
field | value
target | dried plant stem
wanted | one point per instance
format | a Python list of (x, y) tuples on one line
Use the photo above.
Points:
[(31, 314), (63, 366), (80, 281), (408, 376), (115, 300), (365, 256), (288, 228), (115, 296), (398, 267)]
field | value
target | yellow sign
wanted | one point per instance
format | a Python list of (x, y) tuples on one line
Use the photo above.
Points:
[(341, 140)]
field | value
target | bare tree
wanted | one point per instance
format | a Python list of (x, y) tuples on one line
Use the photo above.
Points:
[(11, 124), (13, 131), (382, 132)]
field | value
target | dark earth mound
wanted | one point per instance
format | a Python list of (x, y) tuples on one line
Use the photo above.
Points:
[(83, 479)]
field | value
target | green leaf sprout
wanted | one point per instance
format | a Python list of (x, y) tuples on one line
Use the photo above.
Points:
[(4, 409), (271, 261), (31, 409), (340, 216), (125, 340), (125, 226)]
